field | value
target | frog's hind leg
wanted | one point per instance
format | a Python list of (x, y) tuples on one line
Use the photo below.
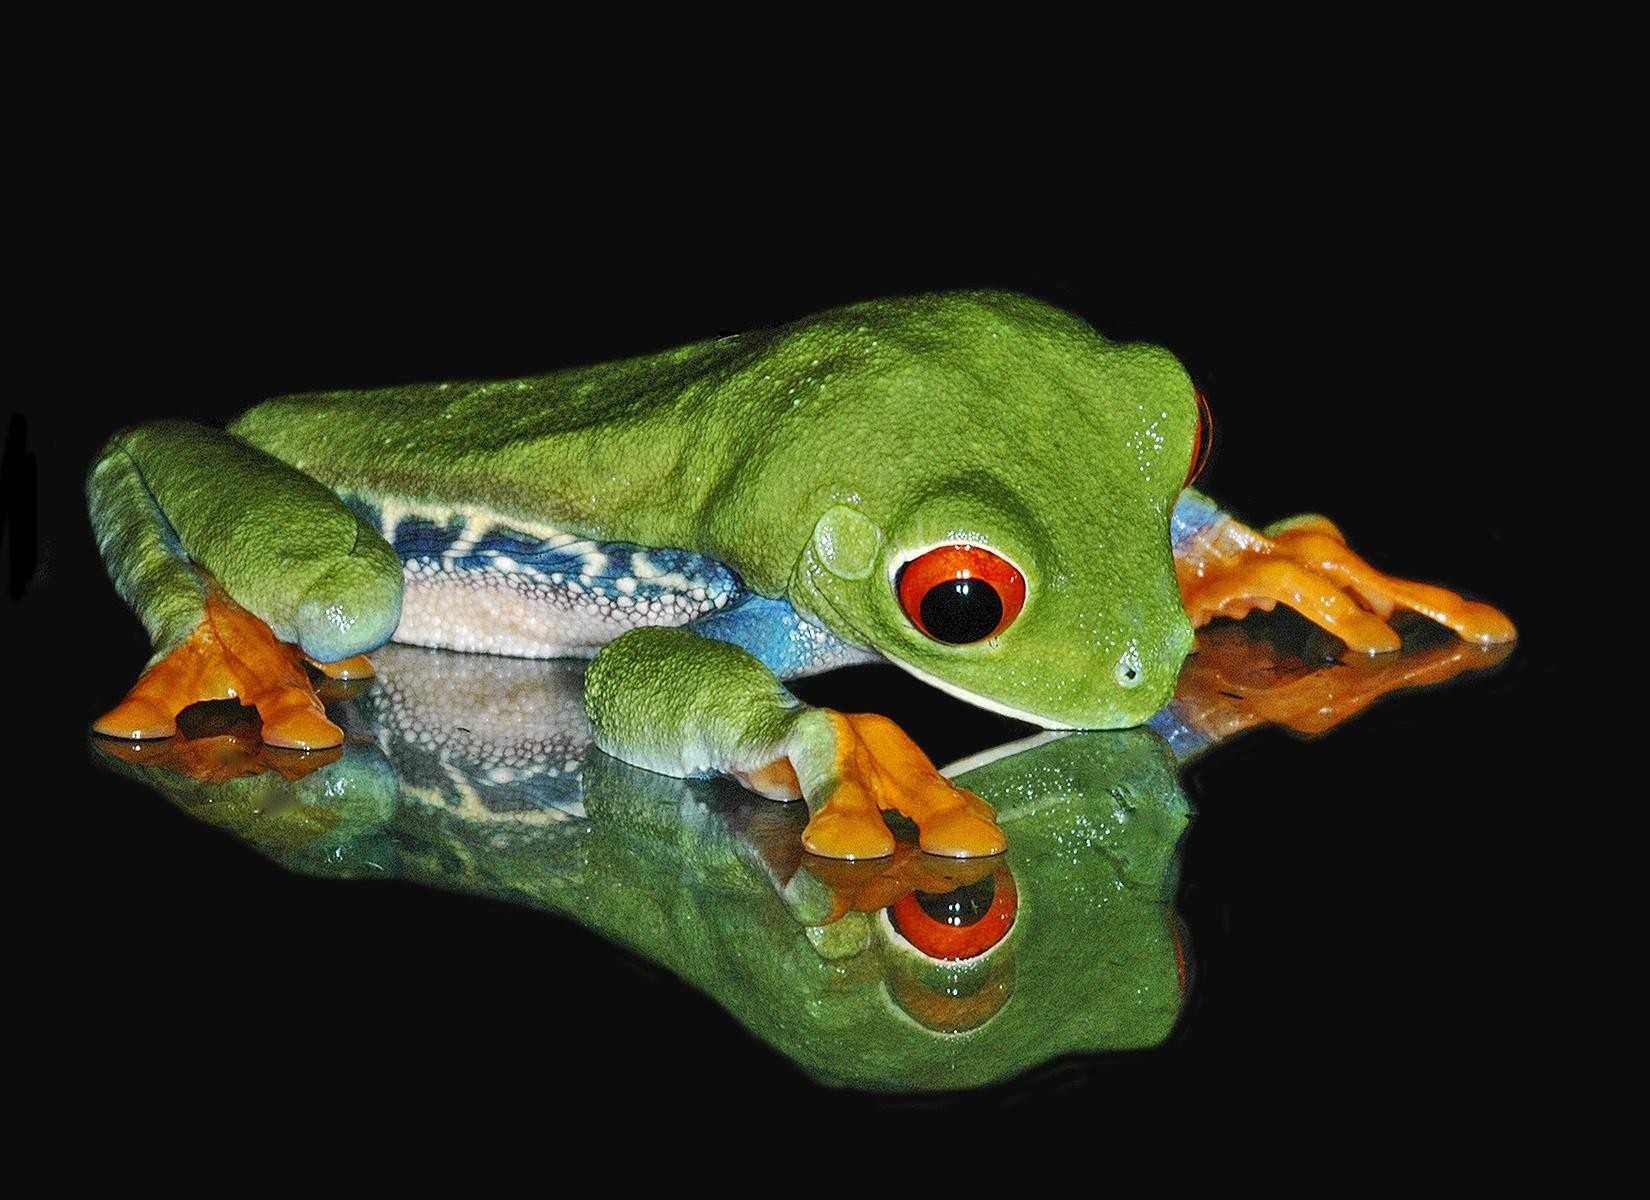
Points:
[(673, 702), (1227, 569), (240, 567)]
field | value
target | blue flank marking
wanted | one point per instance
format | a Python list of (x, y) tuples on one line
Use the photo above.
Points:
[(539, 787), (572, 561), (417, 538), (366, 511), (1171, 725), (770, 630), (1192, 512), (773, 633)]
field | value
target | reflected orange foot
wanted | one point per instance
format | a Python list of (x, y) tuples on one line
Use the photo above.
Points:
[(232, 655), (1234, 682), (1305, 564), (358, 667), (873, 886), (221, 757), (879, 768)]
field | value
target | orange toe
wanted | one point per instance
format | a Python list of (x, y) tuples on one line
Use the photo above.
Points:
[(358, 667), (1489, 627), (231, 655), (879, 768), (959, 833), (848, 833), (301, 727), (136, 717), (1306, 564)]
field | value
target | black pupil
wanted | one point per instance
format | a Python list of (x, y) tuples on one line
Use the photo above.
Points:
[(964, 906), (961, 610)]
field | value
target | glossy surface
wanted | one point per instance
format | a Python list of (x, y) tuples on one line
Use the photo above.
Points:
[(1361, 904), (477, 774), (910, 973)]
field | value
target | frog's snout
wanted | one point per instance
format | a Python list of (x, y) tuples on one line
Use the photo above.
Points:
[(1146, 673)]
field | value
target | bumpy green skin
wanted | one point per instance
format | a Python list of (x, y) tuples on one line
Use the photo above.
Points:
[(1093, 822), (815, 459), (723, 711)]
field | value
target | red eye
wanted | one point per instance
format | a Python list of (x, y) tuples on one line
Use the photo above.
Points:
[(964, 923), (961, 594), (1202, 440)]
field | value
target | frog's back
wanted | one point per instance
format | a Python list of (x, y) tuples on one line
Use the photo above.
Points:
[(590, 449), (521, 508)]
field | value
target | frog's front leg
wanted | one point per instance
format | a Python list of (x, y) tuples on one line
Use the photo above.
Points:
[(680, 704), (240, 567), (1226, 569)]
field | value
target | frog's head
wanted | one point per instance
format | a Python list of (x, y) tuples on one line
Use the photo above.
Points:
[(982, 486)]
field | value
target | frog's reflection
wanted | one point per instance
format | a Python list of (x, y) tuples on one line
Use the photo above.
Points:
[(907, 973)]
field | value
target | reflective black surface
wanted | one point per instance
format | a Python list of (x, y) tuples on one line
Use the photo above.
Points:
[(1359, 904)]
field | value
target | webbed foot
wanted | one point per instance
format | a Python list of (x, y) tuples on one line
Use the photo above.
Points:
[(1228, 570), (725, 712), (216, 757), (833, 887), (231, 655), (357, 667), (854, 766)]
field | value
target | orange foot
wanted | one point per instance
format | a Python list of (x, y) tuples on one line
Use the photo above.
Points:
[(1305, 564), (217, 758), (345, 669), (232, 655), (876, 767)]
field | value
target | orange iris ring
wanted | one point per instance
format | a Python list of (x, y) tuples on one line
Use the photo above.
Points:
[(960, 560), (955, 943)]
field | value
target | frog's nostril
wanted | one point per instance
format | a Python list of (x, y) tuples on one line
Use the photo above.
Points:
[(1128, 673)]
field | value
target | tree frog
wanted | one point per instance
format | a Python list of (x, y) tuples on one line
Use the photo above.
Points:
[(975, 486)]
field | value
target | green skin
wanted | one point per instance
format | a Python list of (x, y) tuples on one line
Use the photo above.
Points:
[(682, 873), (814, 459)]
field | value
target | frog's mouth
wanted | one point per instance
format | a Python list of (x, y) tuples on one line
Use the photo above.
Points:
[(978, 701)]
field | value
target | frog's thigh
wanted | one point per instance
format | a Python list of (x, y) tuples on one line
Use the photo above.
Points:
[(679, 704), (226, 554)]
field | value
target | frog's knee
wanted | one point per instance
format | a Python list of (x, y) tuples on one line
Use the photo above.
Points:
[(351, 608)]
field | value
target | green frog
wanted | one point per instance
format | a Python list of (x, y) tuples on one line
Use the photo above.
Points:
[(974, 486)]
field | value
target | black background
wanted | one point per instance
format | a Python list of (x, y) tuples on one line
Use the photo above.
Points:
[(1353, 903)]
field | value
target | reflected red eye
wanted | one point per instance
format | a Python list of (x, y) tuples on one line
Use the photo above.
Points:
[(961, 594), (964, 923), (1182, 958), (1202, 440)]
